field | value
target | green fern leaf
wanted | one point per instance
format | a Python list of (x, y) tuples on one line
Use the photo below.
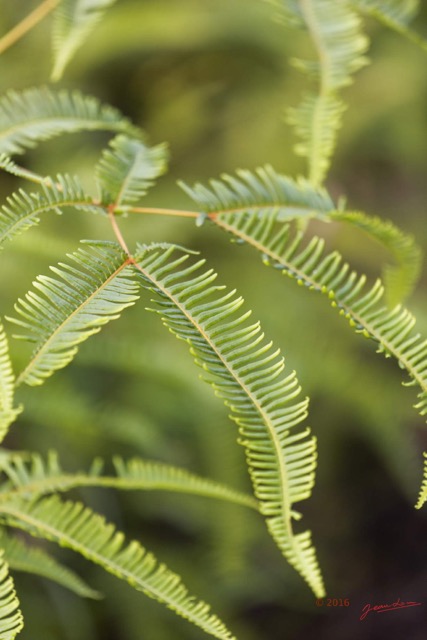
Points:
[(246, 372), (7, 164), (365, 309), (335, 32), (23, 209), (317, 120), (73, 22), (8, 413), (267, 192), (128, 169), (262, 192), (30, 559), (422, 498), (72, 525), (140, 474), (88, 294), (397, 12), (33, 477), (33, 115), (394, 14), (11, 621), (400, 278)]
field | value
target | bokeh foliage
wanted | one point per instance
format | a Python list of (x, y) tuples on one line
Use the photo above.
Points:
[(213, 79)]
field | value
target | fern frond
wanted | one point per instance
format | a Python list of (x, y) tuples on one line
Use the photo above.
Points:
[(23, 209), (262, 191), (327, 273), (394, 14), (422, 498), (8, 413), (30, 559), (246, 372), (334, 30), (33, 477), (87, 294), (11, 621), (267, 192), (33, 115), (317, 120), (401, 278), (140, 474), (72, 525), (73, 22), (128, 169)]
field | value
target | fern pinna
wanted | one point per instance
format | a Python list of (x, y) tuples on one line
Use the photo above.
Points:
[(270, 212)]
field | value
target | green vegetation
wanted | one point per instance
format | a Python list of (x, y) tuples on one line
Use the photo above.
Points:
[(130, 394)]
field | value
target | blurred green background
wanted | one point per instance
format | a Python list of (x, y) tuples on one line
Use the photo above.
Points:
[(212, 79)]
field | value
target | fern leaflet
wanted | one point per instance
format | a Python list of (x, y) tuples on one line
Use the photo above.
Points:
[(394, 14), (21, 556), (422, 498), (73, 22), (88, 294), (261, 192), (400, 278), (328, 274), (267, 192), (339, 43), (8, 412), (35, 477), (33, 115), (23, 209), (7, 164), (11, 621), (72, 525), (246, 372), (128, 169)]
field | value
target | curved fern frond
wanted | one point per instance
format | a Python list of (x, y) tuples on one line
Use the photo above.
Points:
[(267, 192), (140, 474), (335, 33), (262, 191), (327, 273), (23, 209), (128, 169), (33, 115), (87, 294), (394, 14), (401, 278), (73, 525), (73, 22), (30, 559), (8, 412), (246, 372), (35, 477), (422, 498), (11, 620)]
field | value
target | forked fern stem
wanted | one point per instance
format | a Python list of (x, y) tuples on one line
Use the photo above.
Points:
[(117, 232), (28, 23)]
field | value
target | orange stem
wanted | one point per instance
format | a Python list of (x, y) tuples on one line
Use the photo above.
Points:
[(117, 231), (163, 212)]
